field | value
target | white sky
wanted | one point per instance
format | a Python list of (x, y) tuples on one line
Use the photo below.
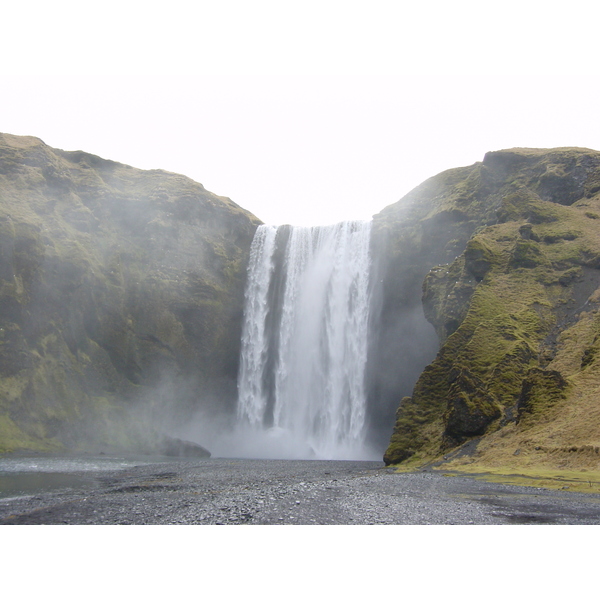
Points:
[(302, 112)]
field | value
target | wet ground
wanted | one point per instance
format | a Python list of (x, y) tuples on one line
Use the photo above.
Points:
[(264, 492)]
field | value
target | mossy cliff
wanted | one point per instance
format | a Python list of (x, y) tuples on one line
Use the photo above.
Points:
[(121, 297), (508, 254)]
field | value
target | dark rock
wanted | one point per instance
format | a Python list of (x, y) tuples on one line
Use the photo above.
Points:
[(542, 389), (183, 448), (471, 409)]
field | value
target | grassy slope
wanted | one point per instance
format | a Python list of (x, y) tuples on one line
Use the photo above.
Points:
[(119, 289), (517, 312)]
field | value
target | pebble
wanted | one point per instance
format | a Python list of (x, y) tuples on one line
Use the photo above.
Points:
[(262, 492)]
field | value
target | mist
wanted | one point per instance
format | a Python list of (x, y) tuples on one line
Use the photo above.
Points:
[(322, 366), (122, 300), (146, 309)]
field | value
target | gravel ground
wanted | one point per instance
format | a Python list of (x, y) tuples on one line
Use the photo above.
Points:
[(272, 492)]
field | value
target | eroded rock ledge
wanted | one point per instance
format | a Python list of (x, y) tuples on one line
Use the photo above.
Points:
[(121, 296), (508, 251)]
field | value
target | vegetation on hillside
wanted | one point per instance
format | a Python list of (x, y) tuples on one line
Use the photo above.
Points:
[(121, 297), (516, 309)]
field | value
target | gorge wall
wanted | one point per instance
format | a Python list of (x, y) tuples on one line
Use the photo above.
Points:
[(122, 291), (508, 255), (121, 298)]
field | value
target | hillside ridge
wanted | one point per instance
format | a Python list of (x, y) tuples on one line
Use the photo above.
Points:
[(121, 295), (510, 252)]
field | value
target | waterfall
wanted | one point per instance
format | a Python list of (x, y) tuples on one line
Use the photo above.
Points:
[(304, 340)]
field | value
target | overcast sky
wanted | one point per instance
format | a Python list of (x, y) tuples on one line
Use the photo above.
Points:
[(301, 112)]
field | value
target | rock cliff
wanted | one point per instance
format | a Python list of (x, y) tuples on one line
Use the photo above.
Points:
[(121, 295), (508, 255)]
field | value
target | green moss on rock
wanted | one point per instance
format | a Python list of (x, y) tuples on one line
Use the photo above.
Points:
[(504, 306), (542, 389), (479, 258), (527, 254), (121, 296)]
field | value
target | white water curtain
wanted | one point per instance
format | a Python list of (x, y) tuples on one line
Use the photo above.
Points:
[(316, 382)]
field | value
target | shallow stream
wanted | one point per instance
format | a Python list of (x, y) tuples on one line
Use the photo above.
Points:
[(30, 475)]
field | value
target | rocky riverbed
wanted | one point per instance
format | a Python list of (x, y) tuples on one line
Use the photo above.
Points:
[(277, 492)]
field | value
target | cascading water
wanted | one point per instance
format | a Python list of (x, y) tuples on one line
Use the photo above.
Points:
[(304, 341)]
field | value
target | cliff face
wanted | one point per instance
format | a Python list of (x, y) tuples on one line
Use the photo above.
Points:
[(508, 253), (121, 296)]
